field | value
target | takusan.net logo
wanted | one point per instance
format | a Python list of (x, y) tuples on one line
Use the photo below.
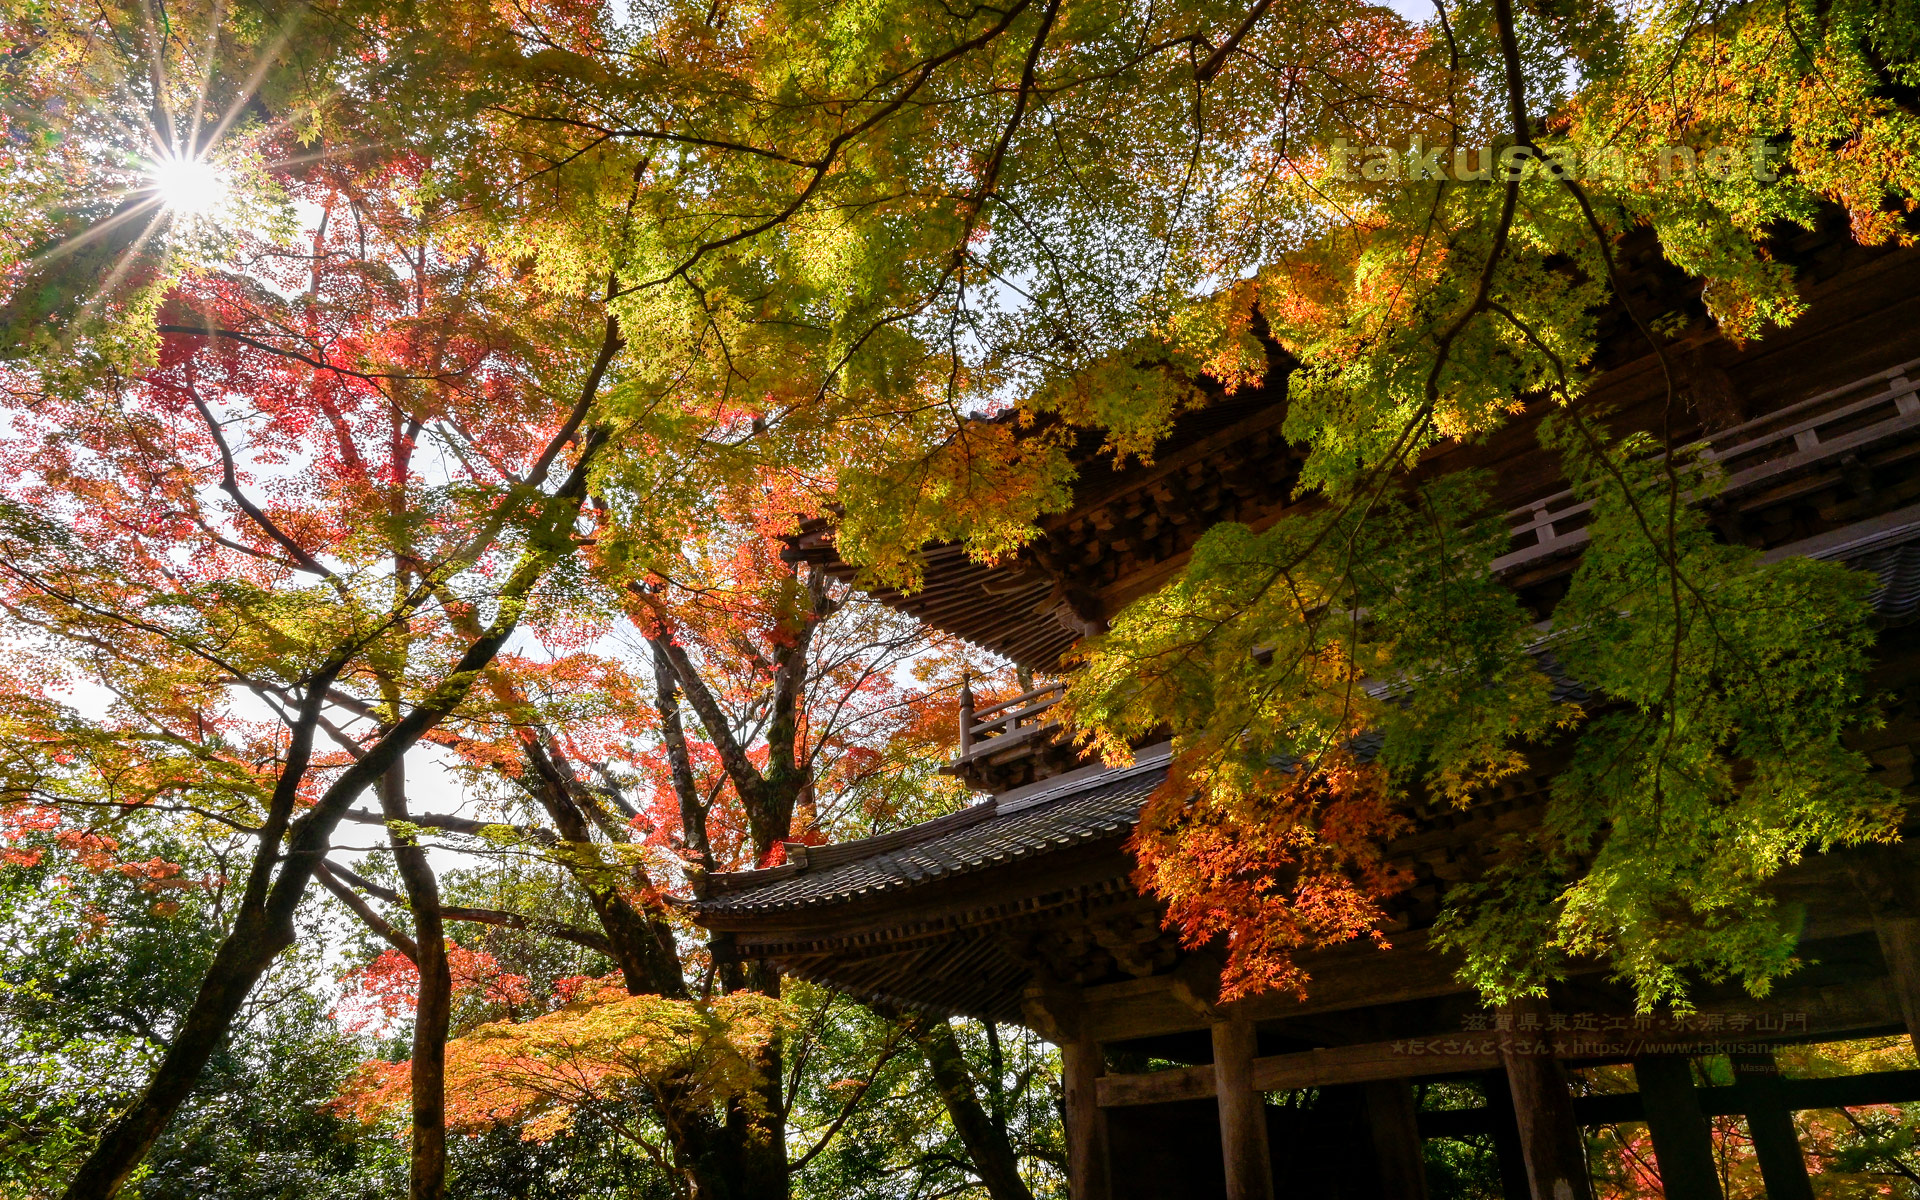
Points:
[(1421, 162)]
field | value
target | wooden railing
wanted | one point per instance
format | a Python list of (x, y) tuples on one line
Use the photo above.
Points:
[(1011, 719), (1800, 435)]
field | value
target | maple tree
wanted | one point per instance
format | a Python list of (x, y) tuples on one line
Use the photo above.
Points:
[(755, 704), (1133, 192), (288, 481), (332, 468), (1416, 312), (537, 1073)]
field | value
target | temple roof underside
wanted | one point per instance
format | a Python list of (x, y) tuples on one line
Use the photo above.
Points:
[(1033, 887)]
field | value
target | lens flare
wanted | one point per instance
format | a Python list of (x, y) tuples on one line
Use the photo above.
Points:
[(190, 187)]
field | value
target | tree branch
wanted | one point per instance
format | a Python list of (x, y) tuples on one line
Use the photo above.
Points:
[(733, 756), (333, 875), (598, 943), (230, 484), (666, 701), (1205, 72), (452, 824), (887, 1052), (324, 872)]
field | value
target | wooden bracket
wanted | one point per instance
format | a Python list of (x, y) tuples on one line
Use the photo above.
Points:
[(1196, 984), (1054, 1011)]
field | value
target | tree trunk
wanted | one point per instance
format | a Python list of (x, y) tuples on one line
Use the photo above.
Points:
[(263, 923), (643, 945), (237, 966), (260, 931), (760, 1135), (747, 1156), (743, 1155), (693, 813), (986, 1142), (433, 1008), (649, 961)]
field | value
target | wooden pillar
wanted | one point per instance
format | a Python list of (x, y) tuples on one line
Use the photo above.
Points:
[(1900, 945), (1550, 1139), (1243, 1113), (1506, 1136), (1396, 1139), (1087, 1163), (1776, 1143), (1890, 878), (1682, 1135)]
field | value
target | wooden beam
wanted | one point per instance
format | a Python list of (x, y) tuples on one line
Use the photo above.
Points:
[(1613, 1108), (1364, 977), (1682, 1135), (1395, 1127), (1849, 1010), (1373, 1061), (1844, 1091), (1776, 1143), (1054, 1011), (1243, 1112), (1157, 1087), (1356, 977), (1088, 1163), (1550, 1141)]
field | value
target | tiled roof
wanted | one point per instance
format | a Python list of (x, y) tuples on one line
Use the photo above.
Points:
[(1082, 806), (1890, 548), (1898, 566), (1095, 803)]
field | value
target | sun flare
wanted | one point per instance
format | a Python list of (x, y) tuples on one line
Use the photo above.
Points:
[(192, 187)]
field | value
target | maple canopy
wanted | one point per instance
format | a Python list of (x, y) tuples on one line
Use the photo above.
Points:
[(470, 332)]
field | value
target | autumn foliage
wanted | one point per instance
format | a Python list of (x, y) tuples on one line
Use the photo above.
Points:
[(466, 428), (604, 1047), (1273, 863), (385, 990)]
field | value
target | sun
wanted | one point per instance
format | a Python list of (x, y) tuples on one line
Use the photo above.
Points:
[(189, 187)]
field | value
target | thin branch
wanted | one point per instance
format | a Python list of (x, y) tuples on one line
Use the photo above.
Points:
[(453, 824), (230, 484), (373, 920), (333, 875), (1205, 72)]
